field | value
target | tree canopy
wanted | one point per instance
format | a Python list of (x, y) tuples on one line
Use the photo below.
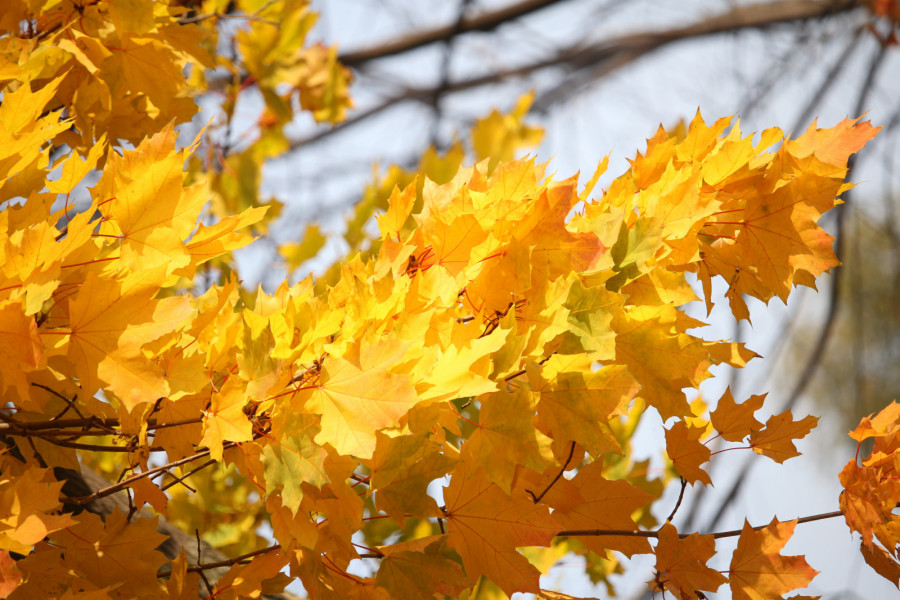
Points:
[(447, 412)]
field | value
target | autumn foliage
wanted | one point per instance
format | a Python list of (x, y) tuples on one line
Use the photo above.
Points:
[(495, 345)]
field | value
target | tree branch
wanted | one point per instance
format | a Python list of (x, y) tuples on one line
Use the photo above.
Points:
[(485, 22), (620, 51)]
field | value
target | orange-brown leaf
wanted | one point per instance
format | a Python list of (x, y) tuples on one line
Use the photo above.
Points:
[(681, 564), (759, 571), (687, 453), (880, 559), (486, 527), (776, 439), (590, 501), (733, 421)]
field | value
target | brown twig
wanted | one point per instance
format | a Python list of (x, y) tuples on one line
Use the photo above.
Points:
[(199, 568), (186, 475), (10, 428), (112, 489), (200, 562), (655, 534), (562, 470), (680, 498)]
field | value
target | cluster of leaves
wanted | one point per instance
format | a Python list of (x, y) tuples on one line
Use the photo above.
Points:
[(872, 492), (504, 329)]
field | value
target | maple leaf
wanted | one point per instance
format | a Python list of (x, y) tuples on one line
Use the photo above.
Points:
[(10, 577), (297, 254), (21, 350), (115, 552), (400, 205), (419, 569), (225, 419), (881, 560), (211, 241), (109, 321), (759, 571), (681, 564), (402, 468), (29, 498), (733, 421), (835, 144), (292, 458), (357, 395), (506, 439), (577, 403), (589, 501), (262, 575), (498, 136), (868, 500), (145, 491), (662, 361), (486, 526), (886, 424), (687, 453), (144, 205), (464, 366), (872, 490), (182, 585), (776, 439)]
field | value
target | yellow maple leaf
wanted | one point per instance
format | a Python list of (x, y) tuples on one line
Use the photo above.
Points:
[(357, 395), (145, 206), (498, 136), (225, 420), (30, 499)]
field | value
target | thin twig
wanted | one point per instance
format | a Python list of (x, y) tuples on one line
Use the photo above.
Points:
[(112, 489), (655, 534), (199, 568), (200, 562), (562, 470), (680, 498), (186, 475), (70, 402)]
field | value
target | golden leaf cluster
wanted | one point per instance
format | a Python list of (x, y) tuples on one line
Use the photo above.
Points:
[(502, 328)]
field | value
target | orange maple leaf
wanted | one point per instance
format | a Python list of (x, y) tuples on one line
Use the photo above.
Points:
[(115, 552), (759, 571), (733, 421), (486, 527), (687, 453), (835, 144), (872, 489), (681, 564), (776, 439), (590, 501)]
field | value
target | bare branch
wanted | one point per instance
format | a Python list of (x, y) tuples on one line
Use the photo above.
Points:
[(485, 22), (617, 52)]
